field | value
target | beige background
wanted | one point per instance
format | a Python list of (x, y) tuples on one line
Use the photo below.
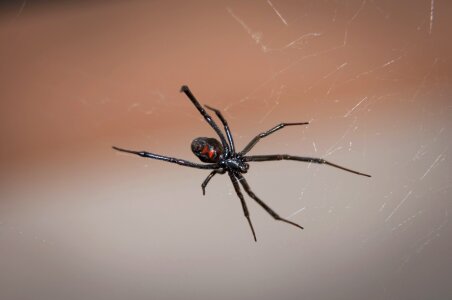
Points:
[(81, 221)]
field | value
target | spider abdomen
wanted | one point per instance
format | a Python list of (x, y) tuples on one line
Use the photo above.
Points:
[(208, 150)]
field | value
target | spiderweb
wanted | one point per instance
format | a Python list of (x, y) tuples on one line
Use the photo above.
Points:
[(372, 78)]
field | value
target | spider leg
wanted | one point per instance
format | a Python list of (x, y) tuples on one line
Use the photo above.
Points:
[(226, 126), (248, 190), (258, 137), (242, 199), (299, 158), (178, 161), (206, 116), (206, 181)]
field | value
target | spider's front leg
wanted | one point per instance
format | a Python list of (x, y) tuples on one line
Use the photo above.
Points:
[(261, 135), (206, 181), (315, 160)]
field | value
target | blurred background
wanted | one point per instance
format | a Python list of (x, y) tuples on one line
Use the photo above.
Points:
[(81, 221)]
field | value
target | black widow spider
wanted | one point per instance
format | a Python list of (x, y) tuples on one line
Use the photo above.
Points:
[(222, 158)]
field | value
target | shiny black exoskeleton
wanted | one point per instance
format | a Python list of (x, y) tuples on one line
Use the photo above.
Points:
[(221, 157), (210, 150)]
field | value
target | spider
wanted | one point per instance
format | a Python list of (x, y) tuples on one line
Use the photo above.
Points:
[(221, 157)]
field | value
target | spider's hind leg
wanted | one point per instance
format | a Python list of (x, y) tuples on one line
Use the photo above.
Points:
[(248, 190), (242, 200), (184, 89), (226, 127)]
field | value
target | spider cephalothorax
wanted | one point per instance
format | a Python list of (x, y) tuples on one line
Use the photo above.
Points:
[(221, 157)]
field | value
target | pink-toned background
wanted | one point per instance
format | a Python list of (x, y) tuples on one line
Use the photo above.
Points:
[(81, 221)]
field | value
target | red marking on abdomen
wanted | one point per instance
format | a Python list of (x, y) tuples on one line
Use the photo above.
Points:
[(206, 150), (212, 153)]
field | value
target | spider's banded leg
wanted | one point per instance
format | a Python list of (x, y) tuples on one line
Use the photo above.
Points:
[(258, 137), (226, 127), (206, 116), (178, 161), (206, 181), (248, 190), (242, 199), (299, 158)]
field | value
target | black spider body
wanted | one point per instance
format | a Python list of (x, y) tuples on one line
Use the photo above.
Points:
[(221, 157), (208, 150), (235, 164)]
